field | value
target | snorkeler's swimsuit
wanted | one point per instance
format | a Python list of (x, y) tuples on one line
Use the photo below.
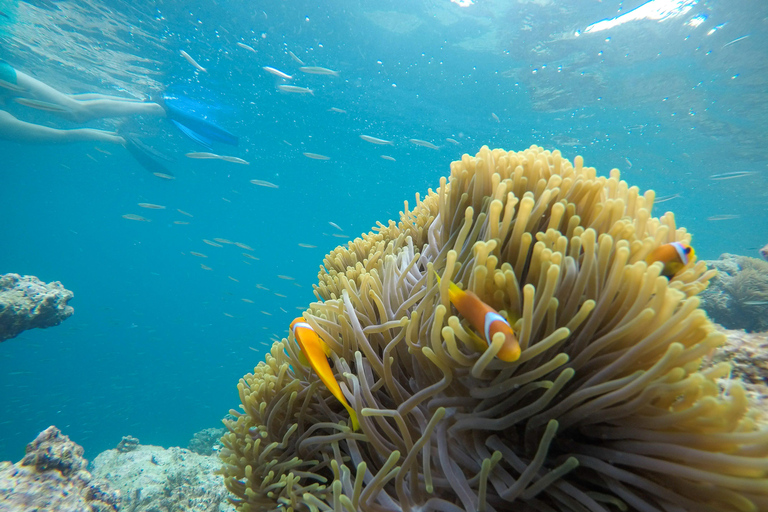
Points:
[(7, 76)]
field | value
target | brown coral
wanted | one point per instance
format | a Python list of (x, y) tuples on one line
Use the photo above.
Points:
[(608, 408), (52, 476), (738, 297)]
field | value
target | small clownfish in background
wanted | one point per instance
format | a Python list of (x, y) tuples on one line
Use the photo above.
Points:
[(674, 256), (484, 319), (764, 252), (317, 351)]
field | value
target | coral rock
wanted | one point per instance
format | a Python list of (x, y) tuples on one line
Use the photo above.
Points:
[(747, 353), (52, 477), (128, 444), (207, 441), (738, 297), (26, 303), (152, 478)]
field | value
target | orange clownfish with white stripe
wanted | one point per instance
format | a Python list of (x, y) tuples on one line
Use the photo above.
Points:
[(484, 319), (674, 256), (317, 351)]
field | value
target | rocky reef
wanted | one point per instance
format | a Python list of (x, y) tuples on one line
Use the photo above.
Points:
[(747, 353), (28, 303), (738, 297), (128, 444), (152, 478), (52, 476), (207, 441)]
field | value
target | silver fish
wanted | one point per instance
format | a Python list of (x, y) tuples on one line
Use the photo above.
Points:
[(263, 183), (375, 140), (296, 89), (731, 175), (214, 156), (277, 72), (423, 143), (316, 156), (234, 160), (131, 216), (193, 62), (664, 199), (317, 70), (295, 58), (726, 216), (726, 45), (246, 47), (203, 156), (12, 87)]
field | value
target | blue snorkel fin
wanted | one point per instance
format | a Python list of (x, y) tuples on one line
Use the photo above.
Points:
[(148, 157), (191, 118), (200, 139)]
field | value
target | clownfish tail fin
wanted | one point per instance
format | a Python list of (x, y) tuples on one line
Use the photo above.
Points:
[(437, 276), (453, 288)]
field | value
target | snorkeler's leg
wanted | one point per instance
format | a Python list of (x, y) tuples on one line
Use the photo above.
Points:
[(97, 109), (96, 96), (50, 99), (40, 91), (20, 131)]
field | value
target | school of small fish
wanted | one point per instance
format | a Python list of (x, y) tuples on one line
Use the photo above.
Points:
[(673, 257)]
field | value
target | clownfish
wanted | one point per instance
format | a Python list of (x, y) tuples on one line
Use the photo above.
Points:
[(764, 252), (674, 256), (484, 319), (317, 351)]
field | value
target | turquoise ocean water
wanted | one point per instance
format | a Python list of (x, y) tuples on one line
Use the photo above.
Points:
[(669, 92)]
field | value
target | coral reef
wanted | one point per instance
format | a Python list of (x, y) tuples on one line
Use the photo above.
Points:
[(207, 441), (26, 303), (609, 406), (52, 476), (127, 444), (747, 353), (152, 479), (738, 297)]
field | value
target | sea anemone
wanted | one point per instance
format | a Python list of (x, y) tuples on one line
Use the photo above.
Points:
[(607, 409)]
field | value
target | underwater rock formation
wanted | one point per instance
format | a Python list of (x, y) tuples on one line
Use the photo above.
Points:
[(738, 297), (207, 441), (608, 407), (27, 303), (152, 478), (127, 444), (52, 476), (747, 353)]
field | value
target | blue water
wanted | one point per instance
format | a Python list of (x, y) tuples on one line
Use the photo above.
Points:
[(157, 343)]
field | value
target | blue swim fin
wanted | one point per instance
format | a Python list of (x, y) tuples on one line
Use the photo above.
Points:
[(196, 124), (203, 141), (146, 156)]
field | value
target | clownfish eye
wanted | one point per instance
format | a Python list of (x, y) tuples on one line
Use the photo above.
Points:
[(687, 250)]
